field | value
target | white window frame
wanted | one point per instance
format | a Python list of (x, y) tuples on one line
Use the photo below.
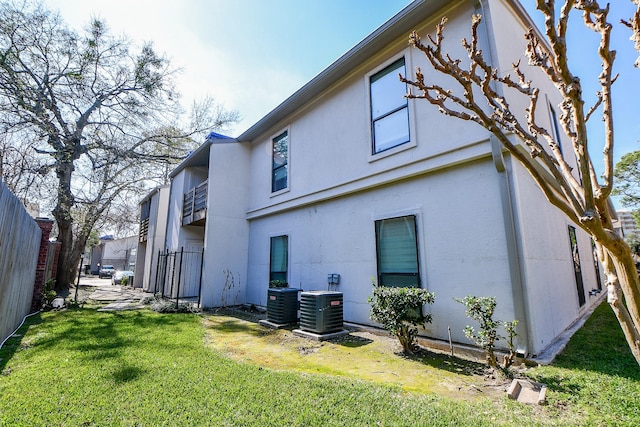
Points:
[(419, 230), (411, 143), (272, 140), (288, 261)]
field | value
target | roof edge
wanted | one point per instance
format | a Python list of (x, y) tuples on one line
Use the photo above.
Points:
[(196, 153), (400, 23)]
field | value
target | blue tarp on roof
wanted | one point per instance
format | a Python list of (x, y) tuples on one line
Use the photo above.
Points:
[(214, 135)]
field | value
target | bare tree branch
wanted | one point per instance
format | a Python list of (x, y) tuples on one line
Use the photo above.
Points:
[(583, 199)]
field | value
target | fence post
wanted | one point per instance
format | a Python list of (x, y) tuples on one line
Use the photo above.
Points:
[(155, 285), (161, 271), (200, 284), (78, 282), (173, 273), (179, 274)]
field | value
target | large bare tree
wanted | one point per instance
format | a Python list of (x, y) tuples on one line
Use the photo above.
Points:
[(103, 113), (480, 94)]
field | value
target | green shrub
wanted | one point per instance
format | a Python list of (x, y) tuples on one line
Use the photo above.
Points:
[(71, 304), (399, 311), (163, 305), (278, 284), (510, 327), (481, 310), (48, 293)]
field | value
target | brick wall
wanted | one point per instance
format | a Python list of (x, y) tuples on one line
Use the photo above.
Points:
[(44, 255)]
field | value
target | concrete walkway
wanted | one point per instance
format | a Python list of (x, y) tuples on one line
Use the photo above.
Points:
[(118, 297)]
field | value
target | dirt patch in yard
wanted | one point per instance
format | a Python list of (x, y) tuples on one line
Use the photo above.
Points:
[(360, 354)]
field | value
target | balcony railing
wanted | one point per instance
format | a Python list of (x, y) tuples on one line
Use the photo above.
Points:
[(144, 230), (194, 205)]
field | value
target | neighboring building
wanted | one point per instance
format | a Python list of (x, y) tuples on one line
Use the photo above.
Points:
[(627, 224), (121, 253), (96, 254), (347, 176), (153, 223)]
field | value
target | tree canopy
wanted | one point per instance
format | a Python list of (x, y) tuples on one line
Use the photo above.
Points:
[(94, 118), (627, 175)]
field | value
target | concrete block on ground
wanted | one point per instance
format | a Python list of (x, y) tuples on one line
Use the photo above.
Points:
[(269, 324), (528, 392), (320, 337)]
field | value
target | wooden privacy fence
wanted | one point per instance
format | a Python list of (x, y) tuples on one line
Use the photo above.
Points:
[(20, 238)]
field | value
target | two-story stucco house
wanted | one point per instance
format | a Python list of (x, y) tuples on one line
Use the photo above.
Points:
[(349, 177), (151, 237)]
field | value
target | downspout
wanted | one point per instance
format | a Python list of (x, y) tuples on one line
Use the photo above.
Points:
[(514, 245)]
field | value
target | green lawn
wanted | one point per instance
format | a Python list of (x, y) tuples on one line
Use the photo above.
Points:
[(140, 368)]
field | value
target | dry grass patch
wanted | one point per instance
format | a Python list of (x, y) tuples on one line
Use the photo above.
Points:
[(360, 354)]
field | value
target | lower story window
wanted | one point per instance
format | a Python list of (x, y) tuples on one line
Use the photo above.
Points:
[(397, 252), (279, 258)]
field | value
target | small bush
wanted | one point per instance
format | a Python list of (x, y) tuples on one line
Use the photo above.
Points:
[(399, 311), (147, 300), (481, 310), (278, 284), (73, 304), (48, 293), (163, 305), (510, 327)]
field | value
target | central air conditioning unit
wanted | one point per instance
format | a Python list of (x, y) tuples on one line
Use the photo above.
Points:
[(321, 311), (282, 305)]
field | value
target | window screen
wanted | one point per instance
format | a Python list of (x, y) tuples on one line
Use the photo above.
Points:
[(389, 110), (279, 176), (279, 258), (397, 252)]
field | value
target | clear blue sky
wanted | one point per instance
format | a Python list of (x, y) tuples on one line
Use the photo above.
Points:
[(250, 55)]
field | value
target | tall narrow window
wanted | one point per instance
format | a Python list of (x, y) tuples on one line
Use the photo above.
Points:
[(279, 173), (397, 252), (389, 108), (596, 264), (575, 255), (279, 258), (145, 210), (556, 128)]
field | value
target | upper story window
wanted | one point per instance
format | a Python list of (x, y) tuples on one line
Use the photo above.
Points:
[(389, 108), (145, 210), (556, 128), (279, 172)]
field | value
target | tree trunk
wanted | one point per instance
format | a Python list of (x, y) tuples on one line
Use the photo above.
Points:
[(71, 252), (67, 262), (622, 275), (62, 213)]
